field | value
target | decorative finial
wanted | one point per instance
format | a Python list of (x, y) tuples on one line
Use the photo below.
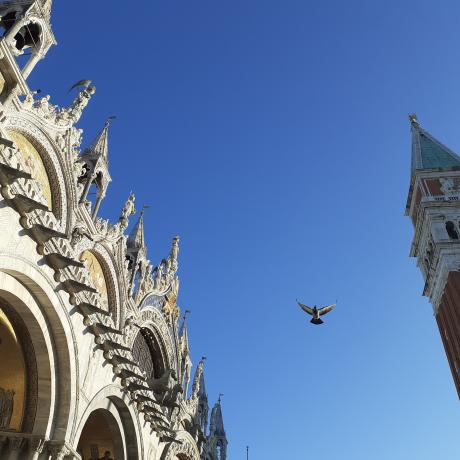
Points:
[(186, 314), (220, 396), (413, 119), (203, 358)]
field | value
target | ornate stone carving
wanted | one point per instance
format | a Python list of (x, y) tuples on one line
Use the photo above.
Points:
[(166, 388), (181, 448), (170, 309), (16, 442), (128, 210), (70, 115), (58, 451)]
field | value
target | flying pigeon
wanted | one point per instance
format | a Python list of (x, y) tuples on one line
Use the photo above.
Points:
[(84, 83), (316, 312)]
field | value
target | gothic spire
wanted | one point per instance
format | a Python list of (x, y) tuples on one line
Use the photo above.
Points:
[(99, 148), (217, 421), (428, 152), (183, 327), (136, 238), (197, 378), (202, 390)]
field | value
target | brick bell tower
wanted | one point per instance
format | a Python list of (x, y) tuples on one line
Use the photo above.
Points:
[(433, 205)]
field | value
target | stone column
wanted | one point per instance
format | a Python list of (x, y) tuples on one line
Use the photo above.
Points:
[(58, 452), (15, 446), (90, 179), (36, 446), (100, 197), (62, 451), (31, 63)]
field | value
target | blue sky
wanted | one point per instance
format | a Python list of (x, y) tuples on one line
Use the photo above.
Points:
[(273, 137)]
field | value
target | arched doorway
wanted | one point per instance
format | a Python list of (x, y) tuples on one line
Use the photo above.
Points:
[(101, 436), (18, 381)]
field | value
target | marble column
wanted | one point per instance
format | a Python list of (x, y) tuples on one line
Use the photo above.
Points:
[(58, 452), (36, 446)]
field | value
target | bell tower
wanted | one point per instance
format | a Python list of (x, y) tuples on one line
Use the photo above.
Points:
[(433, 205)]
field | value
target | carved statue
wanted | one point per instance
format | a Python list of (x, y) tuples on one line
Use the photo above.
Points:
[(158, 276), (166, 388), (128, 210), (6, 407), (146, 281), (78, 233), (29, 99), (44, 108), (174, 250)]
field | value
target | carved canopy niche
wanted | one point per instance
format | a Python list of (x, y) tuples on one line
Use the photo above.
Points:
[(147, 354)]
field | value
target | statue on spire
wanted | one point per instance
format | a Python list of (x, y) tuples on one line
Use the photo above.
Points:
[(173, 255), (128, 210), (197, 378)]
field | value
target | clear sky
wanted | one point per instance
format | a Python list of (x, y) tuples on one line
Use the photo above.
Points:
[(273, 137)]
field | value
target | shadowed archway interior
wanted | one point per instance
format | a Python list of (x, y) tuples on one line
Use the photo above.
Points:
[(101, 434), (18, 374)]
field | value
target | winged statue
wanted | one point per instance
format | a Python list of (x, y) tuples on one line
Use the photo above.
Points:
[(315, 312)]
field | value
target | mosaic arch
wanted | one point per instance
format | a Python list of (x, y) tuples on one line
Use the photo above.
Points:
[(33, 163), (97, 275)]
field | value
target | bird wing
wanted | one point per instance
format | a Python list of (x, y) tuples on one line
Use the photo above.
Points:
[(305, 308), (85, 83), (327, 309)]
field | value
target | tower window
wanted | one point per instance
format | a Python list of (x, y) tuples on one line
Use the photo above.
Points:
[(450, 228)]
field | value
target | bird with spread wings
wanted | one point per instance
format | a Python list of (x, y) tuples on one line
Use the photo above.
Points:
[(316, 312)]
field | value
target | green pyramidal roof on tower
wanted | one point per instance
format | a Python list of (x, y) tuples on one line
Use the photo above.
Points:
[(428, 152)]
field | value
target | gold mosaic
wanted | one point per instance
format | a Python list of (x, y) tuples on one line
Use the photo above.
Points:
[(97, 275), (33, 163)]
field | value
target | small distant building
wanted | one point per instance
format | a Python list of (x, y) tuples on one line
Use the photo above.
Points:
[(94, 350), (433, 205)]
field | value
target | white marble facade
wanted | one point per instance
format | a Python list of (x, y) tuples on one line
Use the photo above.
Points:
[(104, 355)]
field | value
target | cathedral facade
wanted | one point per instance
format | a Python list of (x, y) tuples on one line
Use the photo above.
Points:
[(94, 350), (433, 206)]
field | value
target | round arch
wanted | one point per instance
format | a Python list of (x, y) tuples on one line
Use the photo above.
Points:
[(30, 294), (111, 400), (33, 142), (15, 297), (103, 274)]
